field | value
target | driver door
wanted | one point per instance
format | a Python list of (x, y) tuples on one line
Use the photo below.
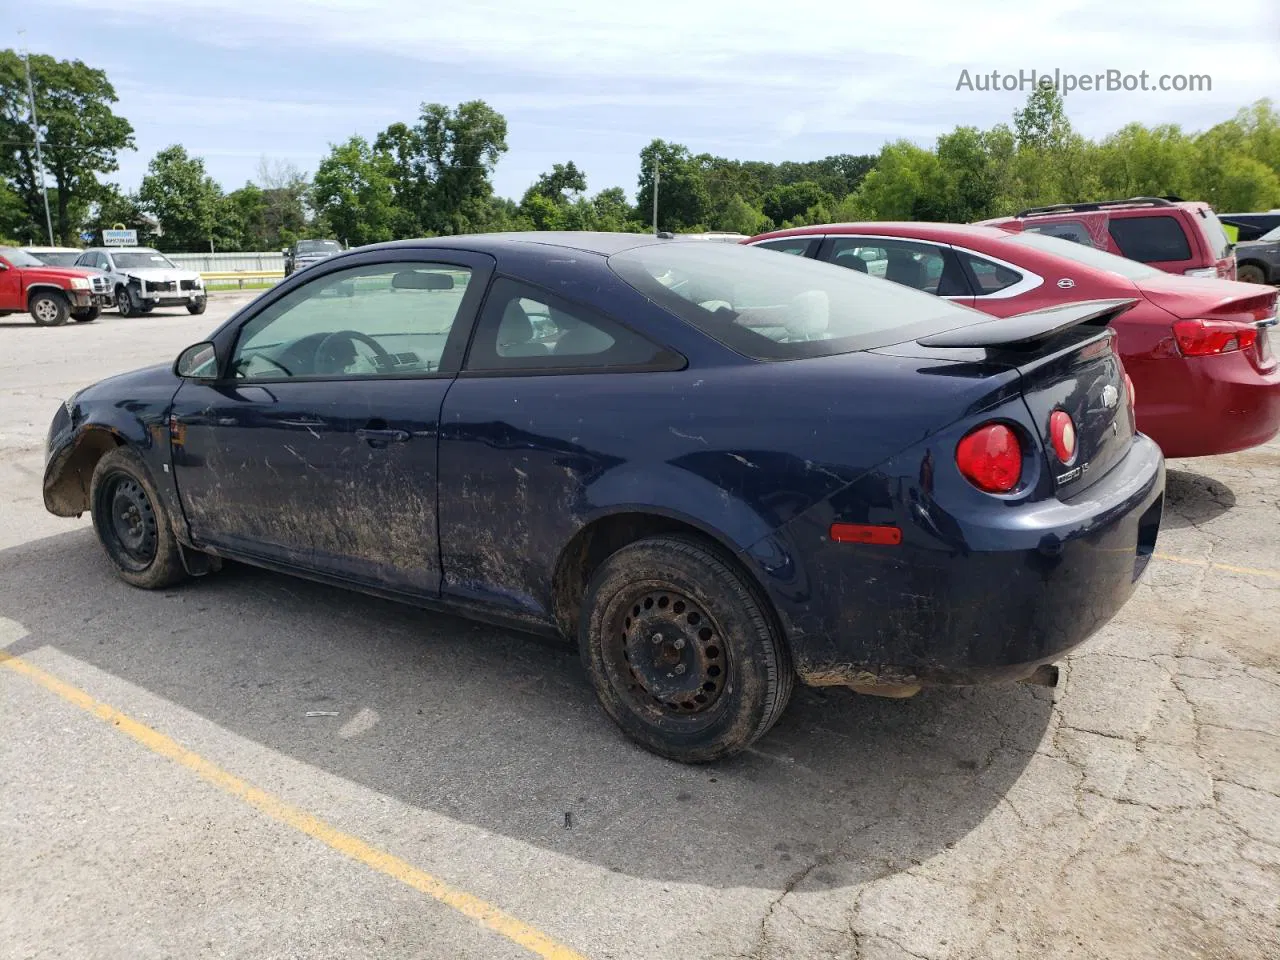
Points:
[(317, 447)]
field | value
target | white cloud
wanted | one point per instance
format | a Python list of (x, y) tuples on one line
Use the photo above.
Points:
[(773, 78)]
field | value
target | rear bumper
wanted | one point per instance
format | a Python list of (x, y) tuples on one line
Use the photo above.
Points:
[(965, 601), (1204, 406)]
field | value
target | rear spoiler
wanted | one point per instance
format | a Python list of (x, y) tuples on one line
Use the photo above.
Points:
[(1028, 329)]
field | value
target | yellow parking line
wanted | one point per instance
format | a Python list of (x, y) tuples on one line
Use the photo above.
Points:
[(1214, 565), (485, 914)]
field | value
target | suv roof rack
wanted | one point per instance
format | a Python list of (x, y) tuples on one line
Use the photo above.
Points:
[(1100, 205)]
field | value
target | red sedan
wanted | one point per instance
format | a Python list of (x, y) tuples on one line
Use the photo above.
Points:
[(1201, 352)]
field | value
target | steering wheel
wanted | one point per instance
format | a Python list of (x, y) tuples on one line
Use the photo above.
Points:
[(330, 360)]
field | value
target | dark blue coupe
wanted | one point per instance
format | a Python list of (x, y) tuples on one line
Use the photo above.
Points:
[(718, 467)]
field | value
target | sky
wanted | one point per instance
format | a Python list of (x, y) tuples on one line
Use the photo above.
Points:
[(236, 81)]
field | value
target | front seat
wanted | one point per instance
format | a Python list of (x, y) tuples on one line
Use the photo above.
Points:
[(847, 258), (515, 334), (905, 269)]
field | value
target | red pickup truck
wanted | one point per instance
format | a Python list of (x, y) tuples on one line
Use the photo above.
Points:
[(49, 294)]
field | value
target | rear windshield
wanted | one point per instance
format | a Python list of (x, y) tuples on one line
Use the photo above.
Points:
[(781, 308), (1219, 242), (1089, 256)]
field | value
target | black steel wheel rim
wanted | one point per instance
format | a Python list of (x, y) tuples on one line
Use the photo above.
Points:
[(665, 655), (129, 527)]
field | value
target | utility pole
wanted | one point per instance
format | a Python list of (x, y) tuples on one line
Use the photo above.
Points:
[(35, 132), (657, 175)]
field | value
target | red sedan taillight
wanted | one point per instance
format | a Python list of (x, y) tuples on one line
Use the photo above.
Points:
[(1205, 338), (990, 457)]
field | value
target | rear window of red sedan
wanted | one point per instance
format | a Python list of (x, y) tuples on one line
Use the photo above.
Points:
[(777, 307)]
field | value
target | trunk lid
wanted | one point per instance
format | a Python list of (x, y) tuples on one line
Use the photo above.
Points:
[(1194, 298), (1066, 360)]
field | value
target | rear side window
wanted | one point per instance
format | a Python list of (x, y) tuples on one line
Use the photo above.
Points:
[(1067, 230), (1150, 239), (990, 277), (781, 308), (524, 328), (797, 246)]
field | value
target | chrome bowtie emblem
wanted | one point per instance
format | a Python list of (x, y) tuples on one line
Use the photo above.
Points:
[(1066, 283), (1110, 396)]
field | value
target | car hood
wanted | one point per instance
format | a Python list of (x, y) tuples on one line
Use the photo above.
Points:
[(1266, 249), (31, 274), (159, 274), (1193, 298)]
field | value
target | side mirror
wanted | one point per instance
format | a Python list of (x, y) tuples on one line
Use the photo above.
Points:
[(198, 362)]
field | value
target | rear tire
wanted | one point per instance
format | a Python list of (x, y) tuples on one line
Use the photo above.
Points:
[(1251, 274), (132, 523), (87, 316), (49, 308), (682, 650)]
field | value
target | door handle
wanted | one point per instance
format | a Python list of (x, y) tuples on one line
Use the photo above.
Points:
[(380, 438)]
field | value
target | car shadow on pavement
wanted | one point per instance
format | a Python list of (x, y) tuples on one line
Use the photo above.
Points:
[(501, 731), (1192, 498)]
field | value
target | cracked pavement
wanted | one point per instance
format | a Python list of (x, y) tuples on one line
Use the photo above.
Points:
[(1132, 813)]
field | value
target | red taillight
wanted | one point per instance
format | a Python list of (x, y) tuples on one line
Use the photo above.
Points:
[(1133, 393), (1204, 338), (990, 457), (1063, 434)]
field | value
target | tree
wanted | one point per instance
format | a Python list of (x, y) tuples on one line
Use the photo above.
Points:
[(1042, 123), (354, 191), (183, 198), (613, 213), (284, 203), (906, 184), (794, 199), (563, 178), (111, 208), (79, 133), (683, 201)]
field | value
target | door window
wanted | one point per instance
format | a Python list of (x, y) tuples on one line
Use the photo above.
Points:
[(921, 266), (378, 320), (1067, 230)]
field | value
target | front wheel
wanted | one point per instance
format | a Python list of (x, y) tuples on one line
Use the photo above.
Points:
[(49, 308), (131, 522), (197, 308), (88, 315), (126, 303), (1251, 274), (682, 651)]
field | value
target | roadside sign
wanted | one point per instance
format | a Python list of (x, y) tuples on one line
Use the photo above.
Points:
[(87, 236), (120, 238)]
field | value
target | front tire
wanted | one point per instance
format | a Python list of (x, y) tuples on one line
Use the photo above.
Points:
[(682, 651), (1251, 274), (132, 524), (197, 308), (126, 304), (87, 316), (49, 308)]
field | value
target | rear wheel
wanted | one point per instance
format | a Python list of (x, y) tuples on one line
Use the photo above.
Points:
[(682, 651), (87, 315), (1251, 274), (131, 522), (49, 308)]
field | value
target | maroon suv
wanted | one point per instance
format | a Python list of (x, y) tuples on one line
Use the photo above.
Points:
[(1170, 234)]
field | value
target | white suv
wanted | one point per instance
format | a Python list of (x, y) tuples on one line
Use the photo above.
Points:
[(142, 279)]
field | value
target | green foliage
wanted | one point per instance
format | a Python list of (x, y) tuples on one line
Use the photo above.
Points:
[(79, 133), (111, 207), (354, 191), (184, 198), (683, 200), (791, 200)]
